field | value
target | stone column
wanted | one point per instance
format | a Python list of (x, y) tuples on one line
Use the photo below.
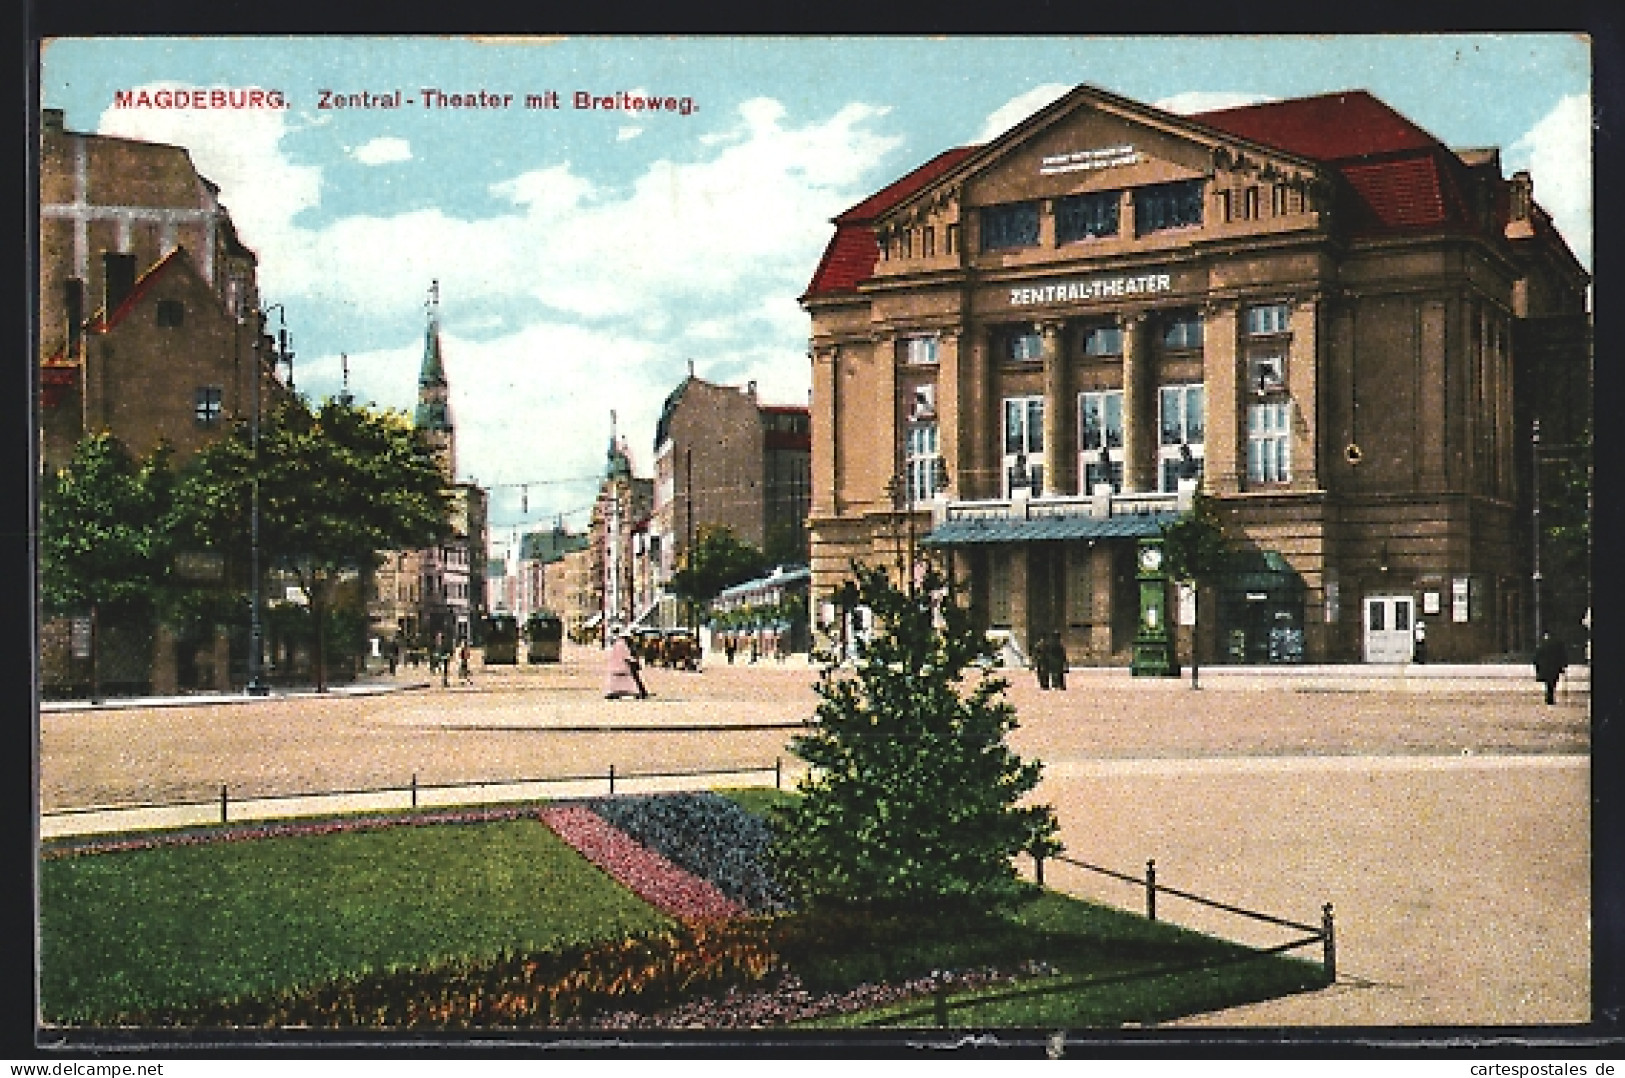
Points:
[(825, 432), (1059, 456), (953, 408), (981, 455), (1139, 406), (1302, 372), (1222, 374)]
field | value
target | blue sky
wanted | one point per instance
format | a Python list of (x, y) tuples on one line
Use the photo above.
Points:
[(586, 256)]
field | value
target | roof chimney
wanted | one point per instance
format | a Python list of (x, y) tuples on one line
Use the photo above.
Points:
[(1521, 207), (750, 388), (73, 301), (118, 278)]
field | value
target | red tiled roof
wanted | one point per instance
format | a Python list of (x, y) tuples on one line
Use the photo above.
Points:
[(852, 251), (893, 193), (1400, 194), (1328, 127), (1403, 176)]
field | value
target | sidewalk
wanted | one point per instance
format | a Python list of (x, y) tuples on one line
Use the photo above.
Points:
[(211, 699)]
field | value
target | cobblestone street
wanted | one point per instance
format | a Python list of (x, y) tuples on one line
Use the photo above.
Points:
[(1449, 827)]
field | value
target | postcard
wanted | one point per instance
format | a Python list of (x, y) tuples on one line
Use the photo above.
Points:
[(1050, 539)]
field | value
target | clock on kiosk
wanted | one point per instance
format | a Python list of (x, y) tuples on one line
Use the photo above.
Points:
[(1153, 651)]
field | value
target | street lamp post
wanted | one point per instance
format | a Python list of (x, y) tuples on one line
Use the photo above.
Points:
[(256, 636), (1535, 577)]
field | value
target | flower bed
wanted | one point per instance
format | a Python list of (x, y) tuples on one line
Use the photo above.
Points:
[(705, 833), (664, 885)]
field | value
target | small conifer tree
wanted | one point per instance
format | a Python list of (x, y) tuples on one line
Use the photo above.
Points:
[(912, 800)]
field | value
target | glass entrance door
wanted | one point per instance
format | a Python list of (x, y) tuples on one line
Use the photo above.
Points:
[(1388, 624)]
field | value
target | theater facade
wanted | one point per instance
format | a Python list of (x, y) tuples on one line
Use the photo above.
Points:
[(1027, 355)]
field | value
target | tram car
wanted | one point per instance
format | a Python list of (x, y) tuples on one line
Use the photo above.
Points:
[(501, 640), (544, 638)]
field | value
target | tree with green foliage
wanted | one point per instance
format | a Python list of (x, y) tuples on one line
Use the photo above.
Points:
[(103, 546), (1196, 549), (337, 485), (720, 559), (912, 799)]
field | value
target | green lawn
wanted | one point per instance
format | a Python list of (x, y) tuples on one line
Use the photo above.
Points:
[(176, 925), (172, 926)]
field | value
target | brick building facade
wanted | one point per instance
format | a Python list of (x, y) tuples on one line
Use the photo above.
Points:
[(725, 459), (1312, 306), (150, 330)]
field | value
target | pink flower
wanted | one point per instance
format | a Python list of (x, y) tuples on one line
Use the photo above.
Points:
[(650, 876)]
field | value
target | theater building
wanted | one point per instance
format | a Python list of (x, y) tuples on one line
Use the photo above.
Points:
[(1311, 310)]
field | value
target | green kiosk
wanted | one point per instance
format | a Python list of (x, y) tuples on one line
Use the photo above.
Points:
[(1153, 647)]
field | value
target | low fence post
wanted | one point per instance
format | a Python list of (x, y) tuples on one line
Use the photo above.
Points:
[(778, 772), (222, 803), (612, 780), (939, 998), (1151, 889), (1328, 933), (414, 789)]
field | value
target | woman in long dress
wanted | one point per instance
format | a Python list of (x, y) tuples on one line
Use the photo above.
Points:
[(621, 673)]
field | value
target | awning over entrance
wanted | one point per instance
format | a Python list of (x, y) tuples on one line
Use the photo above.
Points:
[(968, 530)]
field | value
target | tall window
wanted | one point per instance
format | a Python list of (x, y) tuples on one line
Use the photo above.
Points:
[(1269, 442), (206, 405), (1182, 432), (1182, 331), (1267, 319), (1023, 443), (1081, 217), (1103, 340), (1014, 224), (1100, 439), (920, 349), (922, 463), (1167, 205)]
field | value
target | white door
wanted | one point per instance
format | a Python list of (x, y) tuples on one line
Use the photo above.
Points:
[(1388, 625)]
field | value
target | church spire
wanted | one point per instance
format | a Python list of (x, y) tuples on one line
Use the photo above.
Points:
[(433, 414)]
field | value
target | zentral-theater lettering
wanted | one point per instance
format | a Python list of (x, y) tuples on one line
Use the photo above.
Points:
[(1099, 288)]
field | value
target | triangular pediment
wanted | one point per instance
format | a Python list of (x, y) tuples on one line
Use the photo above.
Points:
[(1092, 140)]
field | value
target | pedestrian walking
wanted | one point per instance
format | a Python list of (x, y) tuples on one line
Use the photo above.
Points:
[(1551, 659), (1041, 661), (463, 673), (394, 655), (729, 646), (621, 676), (1420, 635), (1057, 662)]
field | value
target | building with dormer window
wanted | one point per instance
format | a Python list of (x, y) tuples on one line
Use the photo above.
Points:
[(1028, 354)]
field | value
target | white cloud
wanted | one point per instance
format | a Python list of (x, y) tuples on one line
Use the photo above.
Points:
[(1557, 154), (697, 258), (1194, 101), (386, 150), (1019, 108)]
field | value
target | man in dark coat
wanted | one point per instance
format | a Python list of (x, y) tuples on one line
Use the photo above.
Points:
[(1551, 659)]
